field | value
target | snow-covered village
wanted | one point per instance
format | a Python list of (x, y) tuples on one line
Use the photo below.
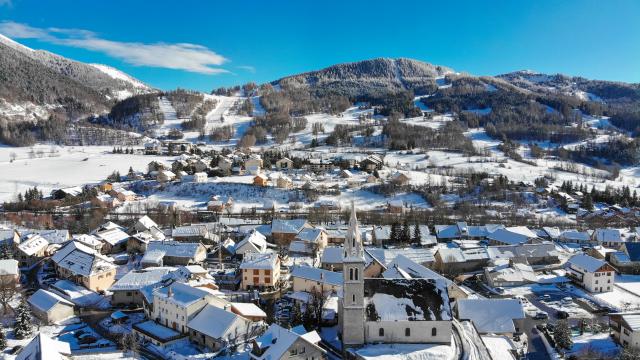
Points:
[(266, 188)]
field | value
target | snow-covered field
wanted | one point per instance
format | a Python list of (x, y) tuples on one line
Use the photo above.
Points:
[(62, 166)]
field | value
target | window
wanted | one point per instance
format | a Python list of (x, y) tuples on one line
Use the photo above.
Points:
[(267, 272), (381, 332), (407, 332), (356, 274), (256, 272), (626, 332), (302, 351), (354, 298), (351, 274), (434, 331), (267, 280), (596, 282), (256, 280), (293, 352)]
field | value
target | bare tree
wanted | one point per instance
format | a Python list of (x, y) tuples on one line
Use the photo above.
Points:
[(8, 289)]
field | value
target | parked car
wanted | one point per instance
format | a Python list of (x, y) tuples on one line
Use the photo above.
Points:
[(541, 315), (544, 297), (562, 315), (567, 300)]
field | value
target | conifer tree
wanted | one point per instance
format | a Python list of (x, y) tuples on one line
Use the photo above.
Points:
[(23, 328)]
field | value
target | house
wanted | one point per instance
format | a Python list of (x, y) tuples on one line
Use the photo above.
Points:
[(153, 148), (144, 224), (534, 254), (400, 179), (126, 291), (31, 250), (84, 266), (225, 250), (225, 164), (165, 176), (69, 192), (371, 163), (191, 233), (396, 206), (509, 273), (312, 280), (284, 164), (626, 328), (198, 177), (49, 307), (228, 328), (309, 241), (174, 306), (156, 334), (260, 180), (284, 182), (592, 274), (285, 231), (42, 347), (253, 161), (381, 235), (9, 271), (89, 241), (319, 165), (249, 311), (254, 242), (454, 261), (331, 258), (280, 343), (261, 271), (574, 236), (608, 237), (114, 240), (107, 201), (139, 242), (170, 253), (125, 195), (192, 275), (512, 236), (378, 310), (336, 235), (628, 258), (493, 316)]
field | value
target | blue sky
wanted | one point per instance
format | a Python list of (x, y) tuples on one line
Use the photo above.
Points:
[(205, 44)]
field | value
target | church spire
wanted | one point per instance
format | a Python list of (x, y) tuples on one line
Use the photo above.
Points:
[(353, 246)]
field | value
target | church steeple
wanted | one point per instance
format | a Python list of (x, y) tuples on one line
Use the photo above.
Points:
[(353, 241)]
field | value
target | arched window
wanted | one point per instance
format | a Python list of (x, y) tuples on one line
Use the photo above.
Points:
[(381, 332), (351, 274), (354, 298), (434, 331), (356, 277), (407, 332), (353, 242)]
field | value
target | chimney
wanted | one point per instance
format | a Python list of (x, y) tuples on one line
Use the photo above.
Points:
[(170, 292)]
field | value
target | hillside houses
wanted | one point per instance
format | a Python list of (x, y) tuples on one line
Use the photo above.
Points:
[(84, 266), (260, 271), (590, 273)]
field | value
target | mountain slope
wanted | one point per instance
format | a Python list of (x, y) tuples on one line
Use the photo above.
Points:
[(368, 77), (45, 81)]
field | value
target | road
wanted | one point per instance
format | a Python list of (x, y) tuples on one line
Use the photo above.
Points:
[(535, 347)]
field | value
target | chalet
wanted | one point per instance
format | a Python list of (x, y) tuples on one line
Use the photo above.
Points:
[(626, 328), (155, 166), (145, 223), (509, 273), (9, 271), (50, 307), (84, 266), (574, 236), (493, 316), (31, 250), (608, 237), (284, 182), (191, 233), (319, 165), (260, 180), (228, 328), (284, 164), (371, 163), (331, 258), (127, 290), (594, 275), (512, 236), (139, 242), (285, 231), (254, 242), (534, 254), (249, 311), (628, 258), (456, 260), (280, 343), (165, 176), (153, 148), (336, 235), (311, 280), (225, 164), (201, 166), (198, 177), (170, 253), (114, 240), (260, 271), (309, 241), (69, 192), (89, 241), (400, 179), (254, 161), (108, 201)]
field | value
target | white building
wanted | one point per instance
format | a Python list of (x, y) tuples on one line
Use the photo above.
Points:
[(593, 274)]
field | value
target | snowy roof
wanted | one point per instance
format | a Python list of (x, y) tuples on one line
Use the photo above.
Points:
[(404, 268), (136, 279), (277, 340), (181, 294), (633, 250), (44, 300), (157, 331), (449, 255), (189, 230), (318, 275), (248, 309), (386, 256), (382, 232), (9, 267), (254, 240), (146, 222), (88, 240), (491, 315), (225, 326), (33, 244), (153, 257), (82, 260), (54, 236), (574, 235), (516, 272), (259, 261), (586, 262), (300, 247), (522, 250), (406, 299), (512, 235), (175, 248), (43, 347), (633, 320), (309, 234), (287, 226), (331, 255), (608, 235), (113, 236)]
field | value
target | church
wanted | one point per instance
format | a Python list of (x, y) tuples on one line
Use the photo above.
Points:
[(377, 310)]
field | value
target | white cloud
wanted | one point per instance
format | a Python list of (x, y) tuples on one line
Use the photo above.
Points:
[(248, 68), (179, 56)]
